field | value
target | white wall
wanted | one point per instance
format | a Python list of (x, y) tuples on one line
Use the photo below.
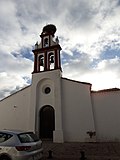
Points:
[(14, 110), (39, 99), (77, 110), (106, 106)]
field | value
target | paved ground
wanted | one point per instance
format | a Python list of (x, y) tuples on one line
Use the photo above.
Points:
[(72, 151)]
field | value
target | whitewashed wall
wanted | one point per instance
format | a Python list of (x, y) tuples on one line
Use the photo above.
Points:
[(76, 110), (106, 106), (39, 99), (14, 110)]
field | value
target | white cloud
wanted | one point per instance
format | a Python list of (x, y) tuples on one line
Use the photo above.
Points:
[(104, 75), (85, 27)]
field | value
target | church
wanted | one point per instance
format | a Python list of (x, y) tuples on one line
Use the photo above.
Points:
[(57, 108)]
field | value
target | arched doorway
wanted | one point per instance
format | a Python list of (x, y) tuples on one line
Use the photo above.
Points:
[(47, 122)]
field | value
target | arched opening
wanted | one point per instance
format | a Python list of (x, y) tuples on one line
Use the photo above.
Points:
[(41, 63), (51, 60), (46, 42), (47, 122)]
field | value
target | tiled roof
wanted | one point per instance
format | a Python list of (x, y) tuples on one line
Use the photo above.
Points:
[(77, 81), (107, 90)]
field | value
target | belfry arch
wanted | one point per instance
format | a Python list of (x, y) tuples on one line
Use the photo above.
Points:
[(46, 122)]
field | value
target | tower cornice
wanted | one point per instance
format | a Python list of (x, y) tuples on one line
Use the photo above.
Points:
[(40, 50)]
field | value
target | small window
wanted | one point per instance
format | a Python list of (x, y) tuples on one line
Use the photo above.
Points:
[(4, 137), (47, 90), (46, 42), (28, 137)]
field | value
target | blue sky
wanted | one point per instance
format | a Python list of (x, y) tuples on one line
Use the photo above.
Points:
[(89, 34)]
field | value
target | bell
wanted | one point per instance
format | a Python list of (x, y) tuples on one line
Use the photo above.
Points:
[(41, 62), (52, 59)]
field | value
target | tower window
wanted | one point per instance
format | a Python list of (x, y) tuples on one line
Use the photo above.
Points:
[(41, 59), (51, 60), (46, 42), (41, 63), (51, 57)]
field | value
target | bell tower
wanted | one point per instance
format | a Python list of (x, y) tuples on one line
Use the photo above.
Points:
[(47, 53), (46, 87)]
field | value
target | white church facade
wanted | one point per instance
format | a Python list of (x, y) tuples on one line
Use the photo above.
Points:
[(58, 108)]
